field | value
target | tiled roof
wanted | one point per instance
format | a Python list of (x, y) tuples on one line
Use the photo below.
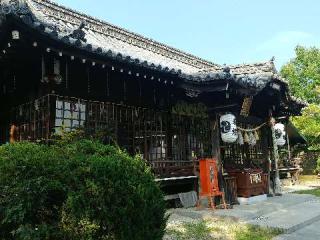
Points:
[(106, 39), (252, 68)]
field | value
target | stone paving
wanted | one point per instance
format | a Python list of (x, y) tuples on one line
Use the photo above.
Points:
[(310, 232), (298, 215)]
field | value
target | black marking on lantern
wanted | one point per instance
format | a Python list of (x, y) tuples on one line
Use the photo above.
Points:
[(234, 131), (225, 126), (277, 133)]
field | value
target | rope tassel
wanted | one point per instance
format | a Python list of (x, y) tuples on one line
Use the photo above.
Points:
[(256, 135), (245, 137), (252, 139), (240, 138)]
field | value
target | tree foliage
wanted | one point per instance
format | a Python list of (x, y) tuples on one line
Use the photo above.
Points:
[(309, 125), (303, 74)]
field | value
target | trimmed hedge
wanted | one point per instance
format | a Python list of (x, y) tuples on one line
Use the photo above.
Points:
[(81, 190)]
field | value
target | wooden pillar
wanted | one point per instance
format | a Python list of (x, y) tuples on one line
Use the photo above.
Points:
[(107, 84), (88, 80), (277, 183), (265, 146), (67, 75), (216, 142), (169, 135), (265, 142), (140, 92), (51, 114), (288, 144), (125, 90), (13, 133)]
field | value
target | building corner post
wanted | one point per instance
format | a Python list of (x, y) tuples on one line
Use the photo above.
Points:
[(277, 182)]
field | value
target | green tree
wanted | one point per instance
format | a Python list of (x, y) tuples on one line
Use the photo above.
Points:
[(303, 74), (309, 125)]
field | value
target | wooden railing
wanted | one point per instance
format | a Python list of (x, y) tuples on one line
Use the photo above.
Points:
[(175, 168)]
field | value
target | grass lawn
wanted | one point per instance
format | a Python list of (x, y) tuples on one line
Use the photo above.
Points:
[(315, 192), (308, 178), (216, 228)]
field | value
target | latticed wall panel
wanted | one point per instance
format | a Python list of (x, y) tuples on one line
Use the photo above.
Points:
[(162, 138), (32, 120)]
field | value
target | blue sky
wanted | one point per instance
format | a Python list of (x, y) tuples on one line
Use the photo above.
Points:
[(229, 31)]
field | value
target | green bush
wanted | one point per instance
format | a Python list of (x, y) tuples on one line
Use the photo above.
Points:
[(80, 190)]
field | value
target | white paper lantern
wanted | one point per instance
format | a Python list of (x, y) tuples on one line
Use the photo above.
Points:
[(228, 128), (280, 134)]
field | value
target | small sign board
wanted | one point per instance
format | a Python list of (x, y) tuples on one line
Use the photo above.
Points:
[(246, 106)]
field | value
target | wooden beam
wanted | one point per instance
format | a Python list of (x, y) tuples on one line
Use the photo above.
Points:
[(223, 106)]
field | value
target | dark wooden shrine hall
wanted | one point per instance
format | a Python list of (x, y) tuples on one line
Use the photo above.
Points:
[(60, 69)]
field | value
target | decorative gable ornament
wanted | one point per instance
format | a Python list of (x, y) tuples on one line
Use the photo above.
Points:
[(280, 134), (79, 33), (228, 128)]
